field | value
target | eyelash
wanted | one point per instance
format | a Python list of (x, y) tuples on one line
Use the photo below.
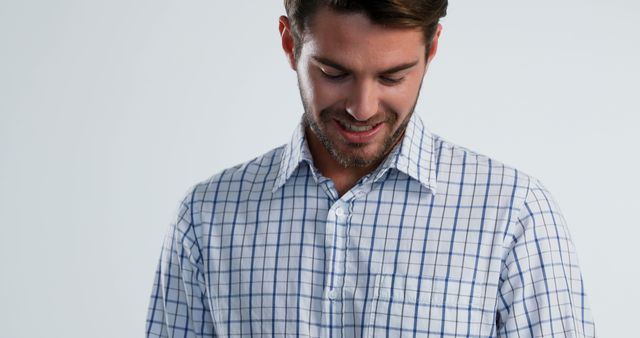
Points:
[(343, 76)]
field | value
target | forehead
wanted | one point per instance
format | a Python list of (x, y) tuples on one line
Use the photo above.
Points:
[(355, 41)]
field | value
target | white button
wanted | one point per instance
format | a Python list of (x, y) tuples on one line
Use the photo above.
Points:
[(339, 212), (332, 294)]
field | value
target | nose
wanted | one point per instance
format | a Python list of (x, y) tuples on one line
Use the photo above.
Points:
[(362, 102)]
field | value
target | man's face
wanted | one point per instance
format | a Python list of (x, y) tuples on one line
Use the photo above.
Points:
[(359, 84)]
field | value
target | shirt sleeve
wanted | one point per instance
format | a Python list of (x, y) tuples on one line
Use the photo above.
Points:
[(178, 305), (541, 292)]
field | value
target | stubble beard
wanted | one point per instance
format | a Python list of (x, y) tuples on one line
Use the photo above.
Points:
[(353, 160)]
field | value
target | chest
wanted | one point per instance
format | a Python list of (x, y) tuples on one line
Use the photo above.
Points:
[(403, 263)]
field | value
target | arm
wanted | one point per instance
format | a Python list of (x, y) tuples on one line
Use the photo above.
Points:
[(541, 290), (179, 306)]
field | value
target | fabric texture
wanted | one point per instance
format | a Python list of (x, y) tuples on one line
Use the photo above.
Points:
[(438, 241)]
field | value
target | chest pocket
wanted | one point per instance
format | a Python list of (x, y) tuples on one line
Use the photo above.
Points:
[(399, 309)]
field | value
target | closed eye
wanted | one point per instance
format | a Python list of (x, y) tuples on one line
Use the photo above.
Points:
[(391, 80), (388, 80), (334, 77)]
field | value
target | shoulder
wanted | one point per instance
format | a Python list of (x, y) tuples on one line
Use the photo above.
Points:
[(528, 199), (257, 173), (525, 202), (225, 190), (478, 174), (473, 168)]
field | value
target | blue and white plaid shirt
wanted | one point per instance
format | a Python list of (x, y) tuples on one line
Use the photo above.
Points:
[(438, 241)]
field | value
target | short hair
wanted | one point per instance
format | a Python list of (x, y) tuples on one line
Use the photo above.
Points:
[(422, 14)]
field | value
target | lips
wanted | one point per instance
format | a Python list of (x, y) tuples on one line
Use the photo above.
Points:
[(358, 133)]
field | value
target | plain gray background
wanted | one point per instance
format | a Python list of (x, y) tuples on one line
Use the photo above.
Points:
[(111, 110)]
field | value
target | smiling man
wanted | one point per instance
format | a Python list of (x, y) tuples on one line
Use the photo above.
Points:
[(359, 82), (366, 224)]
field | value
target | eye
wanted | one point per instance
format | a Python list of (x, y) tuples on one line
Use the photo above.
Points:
[(391, 80), (334, 77)]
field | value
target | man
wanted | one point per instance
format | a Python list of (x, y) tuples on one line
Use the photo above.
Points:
[(366, 224)]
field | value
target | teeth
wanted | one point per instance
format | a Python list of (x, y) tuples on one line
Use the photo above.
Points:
[(351, 127)]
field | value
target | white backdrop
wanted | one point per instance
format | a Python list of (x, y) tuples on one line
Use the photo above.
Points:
[(111, 110)]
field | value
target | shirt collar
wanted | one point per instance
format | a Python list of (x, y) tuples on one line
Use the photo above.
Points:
[(294, 152), (414, 156)]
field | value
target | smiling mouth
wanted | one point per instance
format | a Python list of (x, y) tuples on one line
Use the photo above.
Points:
[(357, 128), (355, 134)]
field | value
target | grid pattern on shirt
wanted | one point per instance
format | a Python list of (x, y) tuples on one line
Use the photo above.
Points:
[(438, 241)]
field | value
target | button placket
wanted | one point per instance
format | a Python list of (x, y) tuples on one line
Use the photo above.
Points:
[(336, 240)]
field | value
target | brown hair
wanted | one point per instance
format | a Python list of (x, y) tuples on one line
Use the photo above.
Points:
[(423, 14)]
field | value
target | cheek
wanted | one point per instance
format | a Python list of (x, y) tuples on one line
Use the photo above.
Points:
[(399, 100), (408, 94), (320, 93)]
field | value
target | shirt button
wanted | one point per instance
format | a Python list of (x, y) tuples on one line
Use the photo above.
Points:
[(339, 212), (332, 294)]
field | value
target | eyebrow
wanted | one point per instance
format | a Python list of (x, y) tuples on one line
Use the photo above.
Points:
[(394, 69)]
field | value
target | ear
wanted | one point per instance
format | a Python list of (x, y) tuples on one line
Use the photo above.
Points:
[(434, 44), (288, 43)]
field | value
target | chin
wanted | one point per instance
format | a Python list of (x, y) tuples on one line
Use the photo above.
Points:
[(359, 157)]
